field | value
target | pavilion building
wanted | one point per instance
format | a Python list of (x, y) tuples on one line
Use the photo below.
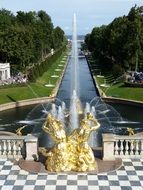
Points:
[(4, 71)]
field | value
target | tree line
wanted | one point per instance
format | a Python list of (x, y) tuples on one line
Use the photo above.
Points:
[(27, 37), (119, 45)]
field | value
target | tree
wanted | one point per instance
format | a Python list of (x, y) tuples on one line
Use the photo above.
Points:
[(26, 37), (58, 37), (119, 43)]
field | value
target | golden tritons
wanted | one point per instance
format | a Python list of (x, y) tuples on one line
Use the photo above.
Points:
[(130, 131), (19, 130), (70, 153)]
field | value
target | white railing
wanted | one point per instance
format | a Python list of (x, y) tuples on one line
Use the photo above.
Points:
[(115, 146), (16, 147)]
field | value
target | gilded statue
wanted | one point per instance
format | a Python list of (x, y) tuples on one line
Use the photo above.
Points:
[(19, 130), (130, 131), (57, 157), (72, 152)]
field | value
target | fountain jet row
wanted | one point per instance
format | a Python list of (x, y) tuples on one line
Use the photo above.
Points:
[(74, 105)]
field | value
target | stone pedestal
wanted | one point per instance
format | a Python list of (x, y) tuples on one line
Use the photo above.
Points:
[(108, 147), (31, 147)]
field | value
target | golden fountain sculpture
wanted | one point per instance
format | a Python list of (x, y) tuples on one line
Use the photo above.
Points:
[(70, 152)]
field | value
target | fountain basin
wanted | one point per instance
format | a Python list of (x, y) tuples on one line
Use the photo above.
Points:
[(103, 166)]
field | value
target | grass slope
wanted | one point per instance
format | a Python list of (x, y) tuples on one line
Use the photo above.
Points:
[(33, 90), (116, 90)]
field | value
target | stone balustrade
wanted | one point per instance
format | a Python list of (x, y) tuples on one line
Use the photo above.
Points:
[(114, 146), (15, 147), (122, 146)]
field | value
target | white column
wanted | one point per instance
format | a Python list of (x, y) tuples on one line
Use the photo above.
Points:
[(108, 147), (3, 75), (31, 147), (0, 75), (141, 149), (121, 147), (8, 72)]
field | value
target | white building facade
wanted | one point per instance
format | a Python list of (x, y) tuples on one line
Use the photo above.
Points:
[(4, 71)]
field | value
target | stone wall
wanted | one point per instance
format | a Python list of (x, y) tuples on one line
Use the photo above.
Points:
[(25, 103), (123, 101)]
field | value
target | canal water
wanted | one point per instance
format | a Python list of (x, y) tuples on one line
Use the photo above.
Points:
[(87, 90)]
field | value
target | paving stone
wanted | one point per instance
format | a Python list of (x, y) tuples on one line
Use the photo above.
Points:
[(128, 177)]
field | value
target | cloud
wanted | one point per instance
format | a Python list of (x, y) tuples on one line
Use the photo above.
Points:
[(67, 28)]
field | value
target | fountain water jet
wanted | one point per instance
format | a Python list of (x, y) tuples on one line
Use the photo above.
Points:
[(54, 110), (75, 102), (74, 82), (75, 110)]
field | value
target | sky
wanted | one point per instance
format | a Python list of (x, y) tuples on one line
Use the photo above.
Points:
[(89, 13)]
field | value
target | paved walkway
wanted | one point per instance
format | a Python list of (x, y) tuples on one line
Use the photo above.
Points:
[(128, 177)]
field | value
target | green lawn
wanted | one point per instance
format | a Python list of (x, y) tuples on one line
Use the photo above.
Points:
[(116, 90), (34, 90), (120, 91)]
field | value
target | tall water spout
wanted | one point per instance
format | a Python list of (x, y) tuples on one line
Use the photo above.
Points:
[(87, 108), (74, 111), (54, 110), (63, 106), (93, 111), (74, 104), (60, 115), (74, 58)]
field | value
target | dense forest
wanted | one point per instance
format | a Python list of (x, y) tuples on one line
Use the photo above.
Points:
[(27, 37), (119, 45)]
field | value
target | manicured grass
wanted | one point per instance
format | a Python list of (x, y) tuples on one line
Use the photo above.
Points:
[(33, 90), (116, 90), (46, 77), (120, 91)]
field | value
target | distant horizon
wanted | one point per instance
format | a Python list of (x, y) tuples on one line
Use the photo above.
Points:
[(89, 13)]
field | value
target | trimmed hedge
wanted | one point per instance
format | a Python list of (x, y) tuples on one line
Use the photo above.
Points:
[(13, 85), (134, 85), (38, 69)]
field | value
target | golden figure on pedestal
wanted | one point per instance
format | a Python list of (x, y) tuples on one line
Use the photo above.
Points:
[(130, 131), (19, 130), (70, 153)]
